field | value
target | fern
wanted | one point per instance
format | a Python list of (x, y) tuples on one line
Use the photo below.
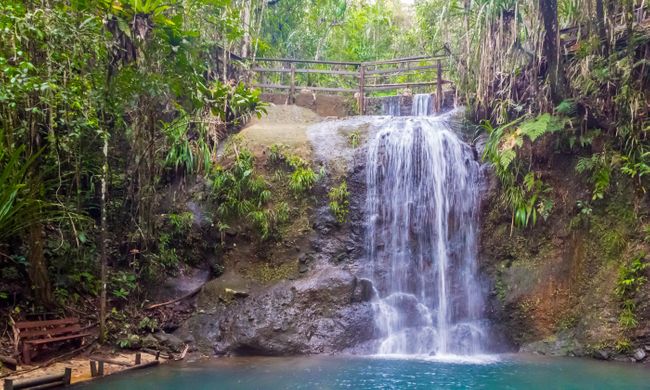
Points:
[(339, 202), (543, 124)]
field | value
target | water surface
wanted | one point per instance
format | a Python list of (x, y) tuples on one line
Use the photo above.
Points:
[(510, 372)]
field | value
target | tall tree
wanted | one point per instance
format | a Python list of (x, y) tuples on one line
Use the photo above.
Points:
[(551, 50)]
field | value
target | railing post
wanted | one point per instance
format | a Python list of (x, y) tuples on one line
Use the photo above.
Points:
[(362, 83), (67, 376), (292, 89), (93, 368), (439, 87)]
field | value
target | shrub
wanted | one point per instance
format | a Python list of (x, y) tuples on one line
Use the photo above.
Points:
[(339, 202)]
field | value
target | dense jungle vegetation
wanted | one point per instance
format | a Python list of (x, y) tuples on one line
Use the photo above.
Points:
[(108, 106)]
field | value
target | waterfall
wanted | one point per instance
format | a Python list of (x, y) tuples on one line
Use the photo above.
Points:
[(422, 105), (391, 106), (421, 238)]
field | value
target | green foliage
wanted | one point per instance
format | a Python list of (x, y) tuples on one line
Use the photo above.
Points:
[(182, 222), (188, 155), (122, 284), (523, 191), (354, 139), (623, 345), (236, 189), (148, 324), (630, 280), (600, 166), (302, 178), (631, 277), (339, 204), (166, 259), (130, 341), (239, 192), (20, 206)]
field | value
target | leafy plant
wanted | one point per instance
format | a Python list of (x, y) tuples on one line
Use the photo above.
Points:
[(148, 324), (354, 138), (123, 284), (524, 191), (181, 222), (339, 201), (631, 278)]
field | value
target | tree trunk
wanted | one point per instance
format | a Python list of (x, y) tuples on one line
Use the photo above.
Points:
[(551, 50), (38, 276), (248, 4), (103, 245), (601, 28)]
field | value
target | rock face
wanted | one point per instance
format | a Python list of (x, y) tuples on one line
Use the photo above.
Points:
[(325, 312)]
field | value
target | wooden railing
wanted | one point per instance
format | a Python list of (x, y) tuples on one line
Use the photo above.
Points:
[(359, 78)]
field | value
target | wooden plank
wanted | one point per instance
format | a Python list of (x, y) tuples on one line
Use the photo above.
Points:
[(319, 71), (403, 85), (157, 353), (152, 363), (36, 324), (52, 385), (38, 381), (110, 361), (299, 87), (271, 86), (397, 71), (327, 89), (400, 60), (307, 61), (326, 71), (271, 70), (50, 332), (55, 339)]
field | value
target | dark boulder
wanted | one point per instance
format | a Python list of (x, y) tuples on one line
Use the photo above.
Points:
[(325, 312)]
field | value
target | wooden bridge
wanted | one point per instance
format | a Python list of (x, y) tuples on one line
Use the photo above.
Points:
[(358, 78)]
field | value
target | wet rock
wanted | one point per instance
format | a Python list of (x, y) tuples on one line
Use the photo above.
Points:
[(363, 291), (325, 312), (639, 354), (170, 341), (560, 344), (149, 341), (236, 293), (600, 354)]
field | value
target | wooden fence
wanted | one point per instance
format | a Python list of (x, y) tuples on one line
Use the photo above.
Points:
[(356, 77)]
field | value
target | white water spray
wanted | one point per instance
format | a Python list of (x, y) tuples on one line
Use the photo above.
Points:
[(421, 238)]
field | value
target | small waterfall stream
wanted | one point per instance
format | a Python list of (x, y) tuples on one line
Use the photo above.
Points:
[(422, 105), (421, 238)]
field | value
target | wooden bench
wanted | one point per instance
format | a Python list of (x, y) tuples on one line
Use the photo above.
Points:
[(35, 334)]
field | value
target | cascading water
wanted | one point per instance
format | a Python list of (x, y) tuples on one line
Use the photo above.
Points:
[(422, 105), (422, 209), (391, 106)]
